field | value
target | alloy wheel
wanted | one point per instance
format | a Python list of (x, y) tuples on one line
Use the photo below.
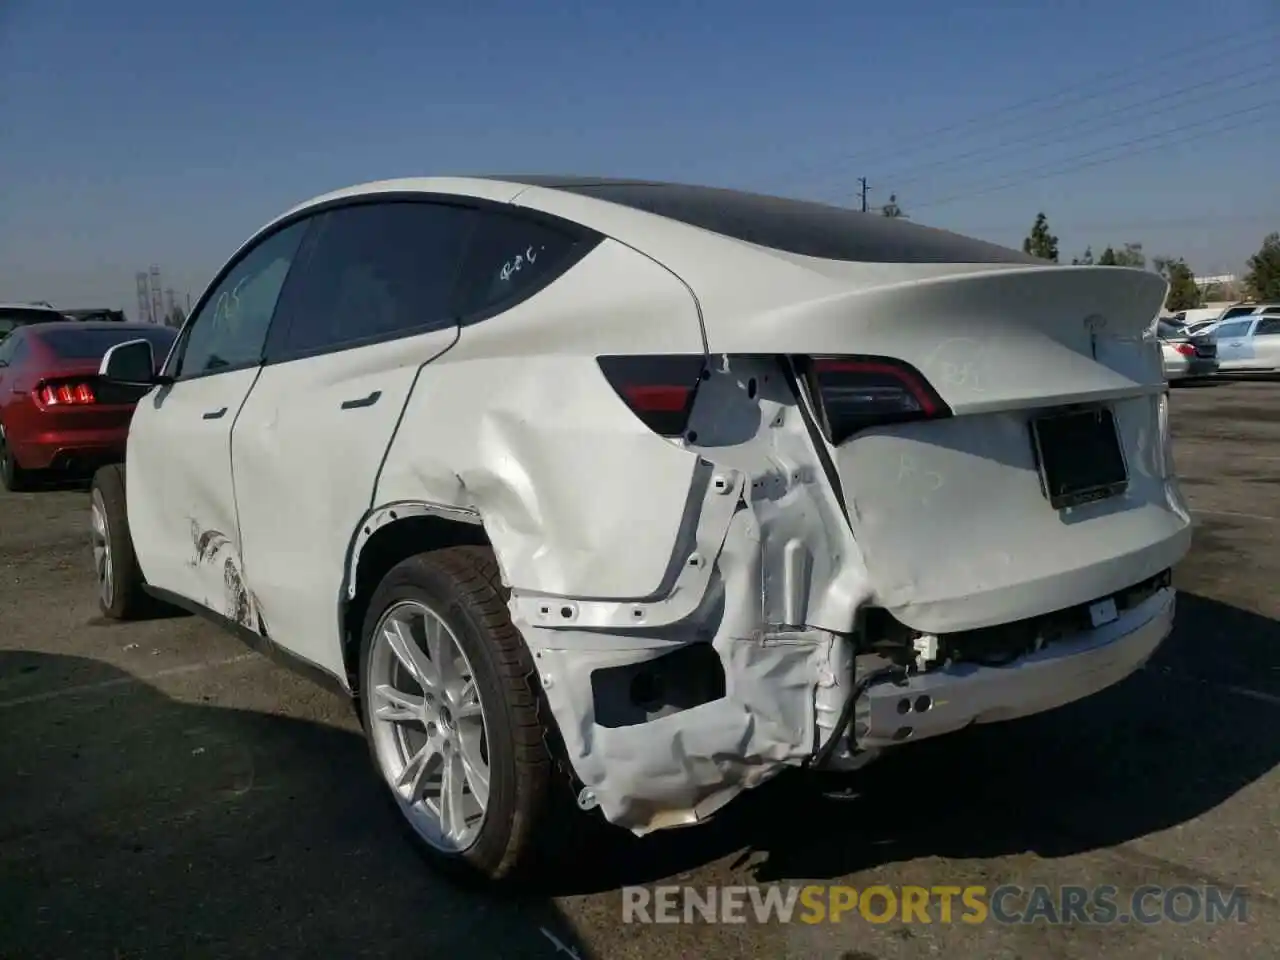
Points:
[(428, 725), (101, 540)]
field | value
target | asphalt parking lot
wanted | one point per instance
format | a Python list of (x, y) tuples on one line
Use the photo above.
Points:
[(164, 793)]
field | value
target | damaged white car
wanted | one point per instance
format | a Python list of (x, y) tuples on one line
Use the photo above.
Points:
[(657, 489)]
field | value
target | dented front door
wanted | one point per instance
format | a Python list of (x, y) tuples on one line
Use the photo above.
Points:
[(182, 506)]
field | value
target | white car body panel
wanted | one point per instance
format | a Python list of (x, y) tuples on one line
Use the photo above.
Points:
[(621, 546), (1236, 344), (295, 531), (559, 492), (1245, 347), (182, 507)]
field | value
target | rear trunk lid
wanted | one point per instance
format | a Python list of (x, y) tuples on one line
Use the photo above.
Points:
[(967, 519)]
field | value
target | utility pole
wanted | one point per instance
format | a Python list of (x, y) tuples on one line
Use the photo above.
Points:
[(863, 182)]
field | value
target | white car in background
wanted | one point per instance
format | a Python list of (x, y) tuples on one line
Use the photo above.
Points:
[(1249, 343), (649, 490)]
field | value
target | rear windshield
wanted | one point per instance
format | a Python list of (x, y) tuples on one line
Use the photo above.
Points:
[(13, 317), (77, 343), (795, 226), (1168, 330)]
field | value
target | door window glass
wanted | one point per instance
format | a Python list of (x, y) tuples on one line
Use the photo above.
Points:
[(229, 329), (373, 271), (1267, 326), (1229, 331)]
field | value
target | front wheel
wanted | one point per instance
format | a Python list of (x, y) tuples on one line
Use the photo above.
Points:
[(120, 593), (450, 705)]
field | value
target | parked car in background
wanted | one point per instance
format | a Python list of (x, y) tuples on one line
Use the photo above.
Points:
[(1249, 343), (1247, 309), (15, 315), (95, 315), (56, 415), (643, 493), (1186, 355)]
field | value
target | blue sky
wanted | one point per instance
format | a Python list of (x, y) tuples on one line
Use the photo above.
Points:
[(143, 132)]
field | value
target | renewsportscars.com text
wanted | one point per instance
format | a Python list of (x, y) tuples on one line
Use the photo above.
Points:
[(1005, 904)]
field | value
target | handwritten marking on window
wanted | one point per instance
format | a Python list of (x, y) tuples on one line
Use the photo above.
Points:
[(512, 267)]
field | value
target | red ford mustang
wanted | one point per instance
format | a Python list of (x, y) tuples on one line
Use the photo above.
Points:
[(55, 414)]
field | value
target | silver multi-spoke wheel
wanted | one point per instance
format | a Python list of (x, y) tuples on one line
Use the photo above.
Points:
[(428, 725), (100, 537)]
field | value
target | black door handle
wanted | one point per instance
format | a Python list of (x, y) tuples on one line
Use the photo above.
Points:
[(215, 414), (368, 401)]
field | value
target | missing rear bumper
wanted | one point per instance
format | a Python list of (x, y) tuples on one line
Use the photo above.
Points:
[(957, 695)]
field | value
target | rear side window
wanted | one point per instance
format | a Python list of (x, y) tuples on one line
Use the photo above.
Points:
[(13, 317), (74, 343), (1237, 312), (509, 258), (371, 272), (1267, 326)]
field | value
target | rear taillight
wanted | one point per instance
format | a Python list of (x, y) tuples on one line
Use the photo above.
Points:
[(855, 393), (659, 389), (64, 393), (1186, 349)]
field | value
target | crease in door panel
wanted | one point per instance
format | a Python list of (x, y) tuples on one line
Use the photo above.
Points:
[(256, 622), (404, 406)]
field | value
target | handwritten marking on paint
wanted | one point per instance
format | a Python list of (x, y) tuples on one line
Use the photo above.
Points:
[(928, 482), (959, 362)]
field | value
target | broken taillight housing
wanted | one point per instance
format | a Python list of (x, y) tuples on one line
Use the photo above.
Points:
[(1186, 349), (852, 394), (63, 393), (659, 388)]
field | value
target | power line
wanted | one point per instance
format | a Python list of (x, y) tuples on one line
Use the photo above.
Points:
[(1051, 171), (1120, 227), (1075, 93), (1054, 136)]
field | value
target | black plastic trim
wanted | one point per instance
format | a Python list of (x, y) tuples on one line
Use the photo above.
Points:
[(312, 672)]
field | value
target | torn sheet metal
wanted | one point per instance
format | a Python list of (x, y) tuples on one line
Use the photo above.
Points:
[(761, 579)]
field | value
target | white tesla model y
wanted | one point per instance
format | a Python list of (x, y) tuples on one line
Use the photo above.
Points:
[(653, 489)]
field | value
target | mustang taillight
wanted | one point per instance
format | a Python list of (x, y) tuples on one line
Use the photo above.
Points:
[(855, 393), (64, 393), (1186, 349), (659, 388)]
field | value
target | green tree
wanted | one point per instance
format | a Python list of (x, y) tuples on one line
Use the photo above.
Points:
[(891, 209), (1108, 258), (1183, 292), (1263, 278), (1041, 243), (1131, 256), (1084, 261), (176, 317)]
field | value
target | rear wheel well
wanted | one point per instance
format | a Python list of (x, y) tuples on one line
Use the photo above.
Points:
[(387, 547)]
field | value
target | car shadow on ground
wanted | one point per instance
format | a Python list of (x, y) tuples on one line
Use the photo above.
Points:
[(1164, 746), (134, 825)]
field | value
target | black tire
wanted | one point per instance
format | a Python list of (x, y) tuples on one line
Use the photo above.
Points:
[(124, 599), (463, 586), (13, 476)]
